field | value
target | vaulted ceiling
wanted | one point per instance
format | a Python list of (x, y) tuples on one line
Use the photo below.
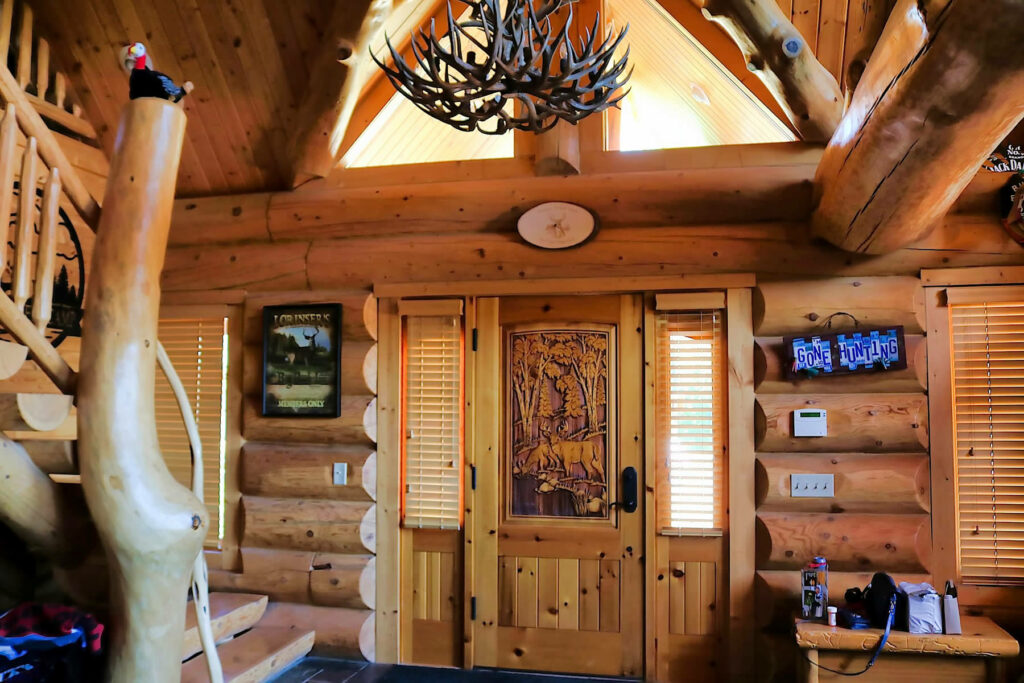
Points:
[(250, 61)]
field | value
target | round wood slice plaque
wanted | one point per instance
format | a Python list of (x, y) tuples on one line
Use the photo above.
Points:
[(556, 225)]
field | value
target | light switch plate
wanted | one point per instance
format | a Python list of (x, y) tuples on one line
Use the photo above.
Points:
[(812, 485), (340, 473)]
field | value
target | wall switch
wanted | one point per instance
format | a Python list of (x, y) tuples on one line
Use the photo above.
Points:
[(812, 485), (340, 473), (810, 423)]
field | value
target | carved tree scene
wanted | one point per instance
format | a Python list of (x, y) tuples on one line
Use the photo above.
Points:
[(558, 416)]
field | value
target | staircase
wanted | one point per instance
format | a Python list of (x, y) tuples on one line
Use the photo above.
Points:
[(248, 652)]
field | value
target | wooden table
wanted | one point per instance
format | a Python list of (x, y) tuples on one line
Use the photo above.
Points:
[(936, 658)]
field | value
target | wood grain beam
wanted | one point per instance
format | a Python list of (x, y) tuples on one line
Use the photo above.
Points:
[(667, 187), (327, 105), (781, 58), (942, 89)]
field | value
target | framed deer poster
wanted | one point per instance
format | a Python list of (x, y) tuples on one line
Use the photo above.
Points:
[(560, 421), (302, 360)]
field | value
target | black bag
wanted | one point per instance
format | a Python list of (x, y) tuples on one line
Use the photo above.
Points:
[(878, 597)]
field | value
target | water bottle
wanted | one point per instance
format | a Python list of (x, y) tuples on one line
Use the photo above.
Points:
[(814, 579)]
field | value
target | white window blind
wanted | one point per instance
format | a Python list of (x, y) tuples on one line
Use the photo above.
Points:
[(689, 417), (432, 421), (196, 348), (987, 343)]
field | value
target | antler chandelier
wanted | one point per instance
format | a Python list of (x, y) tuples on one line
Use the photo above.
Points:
[(513, 67)]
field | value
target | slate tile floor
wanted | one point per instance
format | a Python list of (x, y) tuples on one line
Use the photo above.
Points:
[(322, 670)]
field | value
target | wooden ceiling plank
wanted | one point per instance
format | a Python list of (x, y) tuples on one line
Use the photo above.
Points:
[(255, 165), (174, 54), (832, 35), (773, 48), (249, 99), (915, 122), (121, 28), (787, 8), (299, 27), (805, 19), (226, 141), (76, 35), (258, 42), (863, 26)]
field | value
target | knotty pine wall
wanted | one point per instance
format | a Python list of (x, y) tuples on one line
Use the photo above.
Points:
[(877, 448), (306, 543)]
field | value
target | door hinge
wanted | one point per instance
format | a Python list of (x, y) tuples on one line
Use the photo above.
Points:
[(472, 608), (474, 338), (472, 477)]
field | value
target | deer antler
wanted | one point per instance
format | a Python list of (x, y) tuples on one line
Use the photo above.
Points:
[(522, 72)]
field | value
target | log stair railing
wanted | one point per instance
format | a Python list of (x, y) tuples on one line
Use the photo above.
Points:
[(45, 86)]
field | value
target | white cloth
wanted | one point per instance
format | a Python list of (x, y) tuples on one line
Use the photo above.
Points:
[(924, 608)]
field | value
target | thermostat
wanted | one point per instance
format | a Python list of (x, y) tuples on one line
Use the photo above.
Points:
[(810, 423)]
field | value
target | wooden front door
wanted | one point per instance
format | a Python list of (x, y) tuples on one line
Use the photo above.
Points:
[(559, 422)]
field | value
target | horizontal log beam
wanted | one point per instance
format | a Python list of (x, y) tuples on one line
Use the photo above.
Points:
[(771, 250), (851, 542), (665, 187), (941, 90), (801, 307), (346, 429), (296, 471), (311, 525), (303, 577), (867, 423), (864, 482)]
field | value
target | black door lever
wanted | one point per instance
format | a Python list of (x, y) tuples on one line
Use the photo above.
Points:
[(629, 491)]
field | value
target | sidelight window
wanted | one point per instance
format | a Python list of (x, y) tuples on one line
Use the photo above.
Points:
[(432, 414), (690, 421)]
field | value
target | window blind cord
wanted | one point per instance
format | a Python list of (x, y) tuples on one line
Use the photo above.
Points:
[(200, 580)]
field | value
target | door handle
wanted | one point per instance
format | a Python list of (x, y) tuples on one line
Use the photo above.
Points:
[(629, 491)]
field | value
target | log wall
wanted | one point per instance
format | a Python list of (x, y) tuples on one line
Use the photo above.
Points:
[(306, 543), (878, 443), (876, 448)]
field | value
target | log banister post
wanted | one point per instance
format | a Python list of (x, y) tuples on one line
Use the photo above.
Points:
[(151, 527)]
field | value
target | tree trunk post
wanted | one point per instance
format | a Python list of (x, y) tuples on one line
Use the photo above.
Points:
[(151, 527)]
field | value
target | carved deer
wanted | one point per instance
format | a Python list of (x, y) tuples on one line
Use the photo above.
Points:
[(582, 453)]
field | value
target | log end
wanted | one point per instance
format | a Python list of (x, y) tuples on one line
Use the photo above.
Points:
[(368, 529), (12, 357), (368, 584), (370, 420), (368, 638)]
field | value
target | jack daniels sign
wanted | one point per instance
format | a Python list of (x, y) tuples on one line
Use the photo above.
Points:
[(846, 353), (69, 278)]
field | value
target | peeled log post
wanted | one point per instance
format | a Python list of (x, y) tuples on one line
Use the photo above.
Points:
[(781, 58), (33, 507), (151, 527), (943, 88)]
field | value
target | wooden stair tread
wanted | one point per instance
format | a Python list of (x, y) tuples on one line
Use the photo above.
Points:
[(230, 613), (253, 656)]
